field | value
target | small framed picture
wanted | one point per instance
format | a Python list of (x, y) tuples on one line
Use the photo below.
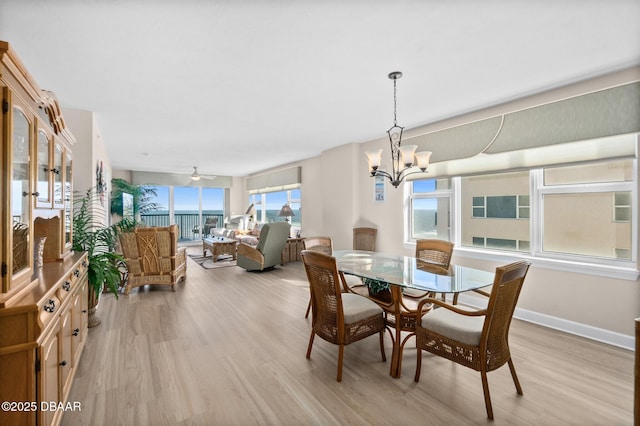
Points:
[(379, 189)]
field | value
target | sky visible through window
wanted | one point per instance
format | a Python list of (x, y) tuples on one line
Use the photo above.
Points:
[(186, 199)]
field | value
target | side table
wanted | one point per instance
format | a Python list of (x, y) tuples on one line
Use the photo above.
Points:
[(292, 250)]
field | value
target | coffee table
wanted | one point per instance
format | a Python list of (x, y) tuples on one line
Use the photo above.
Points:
[(219, 246)]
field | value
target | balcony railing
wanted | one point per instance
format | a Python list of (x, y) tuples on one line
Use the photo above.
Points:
[(190, 229)]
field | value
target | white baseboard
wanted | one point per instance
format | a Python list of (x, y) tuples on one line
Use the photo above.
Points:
[(594, 333)]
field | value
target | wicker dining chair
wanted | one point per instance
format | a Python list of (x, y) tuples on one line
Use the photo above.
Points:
[(325, 245), (432, 252), (339, 318), (433, 256), (364, 238), (475, 339), (321, 244)]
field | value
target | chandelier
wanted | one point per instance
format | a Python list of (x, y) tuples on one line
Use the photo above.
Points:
[(402, 157)]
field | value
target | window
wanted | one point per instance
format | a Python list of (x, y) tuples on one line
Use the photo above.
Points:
[(188, 207), (268, 205), (430, 211), (587, 210), (622, 206), (583, 213), (495, 211), (503, 206)]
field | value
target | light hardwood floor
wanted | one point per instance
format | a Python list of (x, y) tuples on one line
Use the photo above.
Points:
[(228, 348)]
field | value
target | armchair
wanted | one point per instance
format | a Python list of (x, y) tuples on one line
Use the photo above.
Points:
[(153, 257), (209, 223), (475, 339), (339, 318), (268, 252), (364, 238)]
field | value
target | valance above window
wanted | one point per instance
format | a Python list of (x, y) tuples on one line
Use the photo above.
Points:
[(280, 180), (176, 179), (593, 126)]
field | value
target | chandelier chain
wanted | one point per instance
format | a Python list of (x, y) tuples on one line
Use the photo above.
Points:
[(395, 115)]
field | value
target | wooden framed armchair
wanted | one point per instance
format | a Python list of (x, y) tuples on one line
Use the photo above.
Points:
[(475, 339), (325, 245), (364, 238), (339, 318), (268, 252), (153, 257)]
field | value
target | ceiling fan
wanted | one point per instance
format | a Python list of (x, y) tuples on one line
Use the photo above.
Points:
[(195, 176)]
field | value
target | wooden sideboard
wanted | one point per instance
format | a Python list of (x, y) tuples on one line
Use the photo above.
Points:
[(43, 309)]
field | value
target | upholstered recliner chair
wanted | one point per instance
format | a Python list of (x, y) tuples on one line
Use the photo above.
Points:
[(268, 252), (209, 224), (153, 257)]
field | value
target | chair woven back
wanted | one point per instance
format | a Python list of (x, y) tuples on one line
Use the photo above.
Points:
[(437, 252), (321, 244), (494, 343), (150, 250), (326, 300), (153, 256), (364, 238)]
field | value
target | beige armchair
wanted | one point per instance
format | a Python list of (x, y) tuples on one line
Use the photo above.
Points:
[(153, 257), (268, 252)]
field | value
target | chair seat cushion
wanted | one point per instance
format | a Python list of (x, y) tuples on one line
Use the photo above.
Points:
[(352, 280), (357, 308), (458, 327), (414, 292)]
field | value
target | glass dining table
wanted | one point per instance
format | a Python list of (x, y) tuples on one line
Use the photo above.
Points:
[(404, 272)]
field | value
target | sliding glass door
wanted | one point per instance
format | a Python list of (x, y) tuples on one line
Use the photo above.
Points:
[(195, 210)]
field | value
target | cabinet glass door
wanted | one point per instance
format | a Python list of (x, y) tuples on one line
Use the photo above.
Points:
[(68, 212), (58, 153), (20, 191), (43, 173)]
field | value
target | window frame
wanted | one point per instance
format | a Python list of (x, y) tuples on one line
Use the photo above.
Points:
[(259, 201), (616, 268), (410, 196)]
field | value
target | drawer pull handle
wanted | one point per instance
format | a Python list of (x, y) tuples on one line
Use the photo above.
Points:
[(76, 273), (63, 363), (84, 311), (84, 263), (76, 331), (66, 286), (50, 306), (24, 193)]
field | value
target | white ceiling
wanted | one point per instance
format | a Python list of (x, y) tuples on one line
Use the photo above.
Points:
[(235, 87)]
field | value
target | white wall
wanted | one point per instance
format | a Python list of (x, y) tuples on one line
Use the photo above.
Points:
[(337, 183), (337, 194), (88, 151)]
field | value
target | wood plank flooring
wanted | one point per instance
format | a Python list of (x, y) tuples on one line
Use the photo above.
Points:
[(228, 348)]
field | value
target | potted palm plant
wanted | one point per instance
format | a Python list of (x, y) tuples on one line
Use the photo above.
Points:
[(142, 195), (99, 241)]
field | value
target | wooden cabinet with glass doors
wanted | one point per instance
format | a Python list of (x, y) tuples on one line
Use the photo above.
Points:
[(43, 309)]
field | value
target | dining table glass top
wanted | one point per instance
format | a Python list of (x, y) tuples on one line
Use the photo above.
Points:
[(410, 272)]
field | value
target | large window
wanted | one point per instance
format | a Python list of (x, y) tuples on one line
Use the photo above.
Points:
[(188, 207), (495, 211), (587, 209), (268, 205), (581, 212)]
